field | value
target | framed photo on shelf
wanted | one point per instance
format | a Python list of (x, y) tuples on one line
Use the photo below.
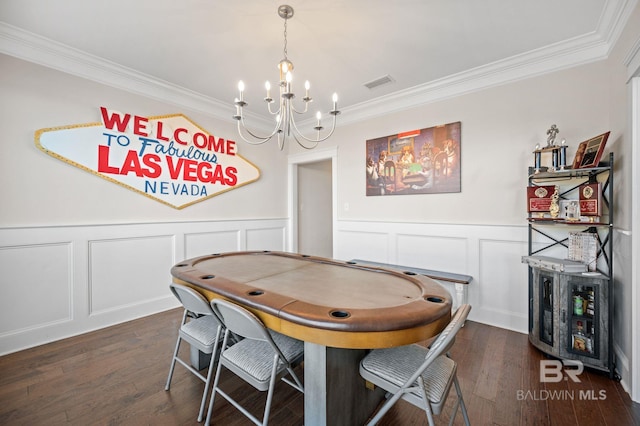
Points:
[(589, 152)]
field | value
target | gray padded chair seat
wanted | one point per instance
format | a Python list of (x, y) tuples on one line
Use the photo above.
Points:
[(253, 359), (396, 365), (200, 332)]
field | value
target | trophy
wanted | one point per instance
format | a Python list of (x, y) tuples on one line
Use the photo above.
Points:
[(558, 152)]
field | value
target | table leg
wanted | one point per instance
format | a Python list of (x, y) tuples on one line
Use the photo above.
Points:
[(461, 293), (334, 392)]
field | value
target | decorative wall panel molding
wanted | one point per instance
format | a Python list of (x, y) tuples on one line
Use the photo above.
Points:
[(490, 254), (198, 243), (74, 279), (37, 280), (118, 279)]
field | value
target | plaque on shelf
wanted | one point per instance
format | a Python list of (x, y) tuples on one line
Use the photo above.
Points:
[(589, 152), (591, 199), (539, 198)]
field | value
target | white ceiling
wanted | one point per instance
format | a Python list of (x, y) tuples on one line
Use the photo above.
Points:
[(201, 48)]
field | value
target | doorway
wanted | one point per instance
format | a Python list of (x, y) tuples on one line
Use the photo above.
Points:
[(312, 179)]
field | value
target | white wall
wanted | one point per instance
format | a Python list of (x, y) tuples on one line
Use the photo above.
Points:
[(500, 129), (78, 252), (38, 189)]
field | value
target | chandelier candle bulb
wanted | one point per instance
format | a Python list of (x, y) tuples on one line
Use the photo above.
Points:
[(241, 90), (267, 86), (289, 77), (284, 69)]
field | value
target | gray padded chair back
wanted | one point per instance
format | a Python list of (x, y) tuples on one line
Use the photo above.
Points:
[(240, 321), (243, 323), (445, 339), (191, 299)]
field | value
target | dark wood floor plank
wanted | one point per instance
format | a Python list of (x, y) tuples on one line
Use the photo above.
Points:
[(613, 407), (510, 380), (116, 376), (561, 405), (534, 410), (492, 363)]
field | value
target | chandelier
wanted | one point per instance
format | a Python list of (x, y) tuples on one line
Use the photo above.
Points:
[(285, 112)]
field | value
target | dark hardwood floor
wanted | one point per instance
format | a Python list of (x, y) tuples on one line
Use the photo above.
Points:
[(116, 376)]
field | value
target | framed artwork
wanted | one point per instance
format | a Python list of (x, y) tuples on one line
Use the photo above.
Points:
[(590, 152), (424, 161)]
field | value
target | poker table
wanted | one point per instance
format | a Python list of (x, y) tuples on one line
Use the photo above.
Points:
[(339, 309)]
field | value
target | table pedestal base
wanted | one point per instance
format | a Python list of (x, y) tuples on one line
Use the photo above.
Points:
[(199, 360), (334, 392)]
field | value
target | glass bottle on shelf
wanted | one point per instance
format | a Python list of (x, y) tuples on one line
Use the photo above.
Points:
[(590, 336), (581, 342), (546, 312), (590, 310), (578, 304)]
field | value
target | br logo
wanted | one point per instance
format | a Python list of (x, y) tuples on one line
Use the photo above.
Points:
[(554, 371)]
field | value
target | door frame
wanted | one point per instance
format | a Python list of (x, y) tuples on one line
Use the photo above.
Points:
[(632, 62), (293, 161), (635, 239)]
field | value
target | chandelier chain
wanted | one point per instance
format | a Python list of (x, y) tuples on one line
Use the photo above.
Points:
[(285, 38)]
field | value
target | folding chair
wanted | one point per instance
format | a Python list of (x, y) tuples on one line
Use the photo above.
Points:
[(200, 328), (259, 359), (416, 374)]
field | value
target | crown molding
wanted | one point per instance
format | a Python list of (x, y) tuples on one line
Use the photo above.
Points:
[(581, 50), (553, 58), (632, 61), (40, 50), (578, 51)]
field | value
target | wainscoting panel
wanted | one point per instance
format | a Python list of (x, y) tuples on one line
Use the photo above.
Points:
[(361, 244), (492, 255), (36, 286), (266, 238), (60, 281), (118, 279), (439, 253), (505, 280), (202, 243)]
